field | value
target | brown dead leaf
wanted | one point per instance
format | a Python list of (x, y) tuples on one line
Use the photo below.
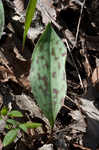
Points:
[(47, 10), (95, 76), (20, 5), (13, 65)]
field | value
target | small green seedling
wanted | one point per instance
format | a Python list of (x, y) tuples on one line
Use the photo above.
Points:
[(47, 74), (8, 122)]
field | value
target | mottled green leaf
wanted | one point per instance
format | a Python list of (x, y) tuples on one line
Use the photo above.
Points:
[(47, 73), (15, 113), (10, 137), (1, 18), (29, 15)]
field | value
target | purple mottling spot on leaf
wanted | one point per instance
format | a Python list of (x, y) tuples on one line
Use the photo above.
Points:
[(64, 54), (56, 58), (62, 101), (57, 42), (45, 91), (40, 87), (55, 91), (46, 65), (54, 103), (53, 52), (42, 57), (44, 78), (60, 49), (44, 105), (54, 74)]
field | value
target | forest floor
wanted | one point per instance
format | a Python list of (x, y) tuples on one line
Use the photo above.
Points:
[(77, 24)]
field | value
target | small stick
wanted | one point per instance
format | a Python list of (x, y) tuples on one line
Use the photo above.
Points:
[(79, 22), (81, 83)]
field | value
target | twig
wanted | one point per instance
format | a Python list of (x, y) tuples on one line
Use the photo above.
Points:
[(67, 107), (77, 33), (81, 83), (69, 99), (79, 22)]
